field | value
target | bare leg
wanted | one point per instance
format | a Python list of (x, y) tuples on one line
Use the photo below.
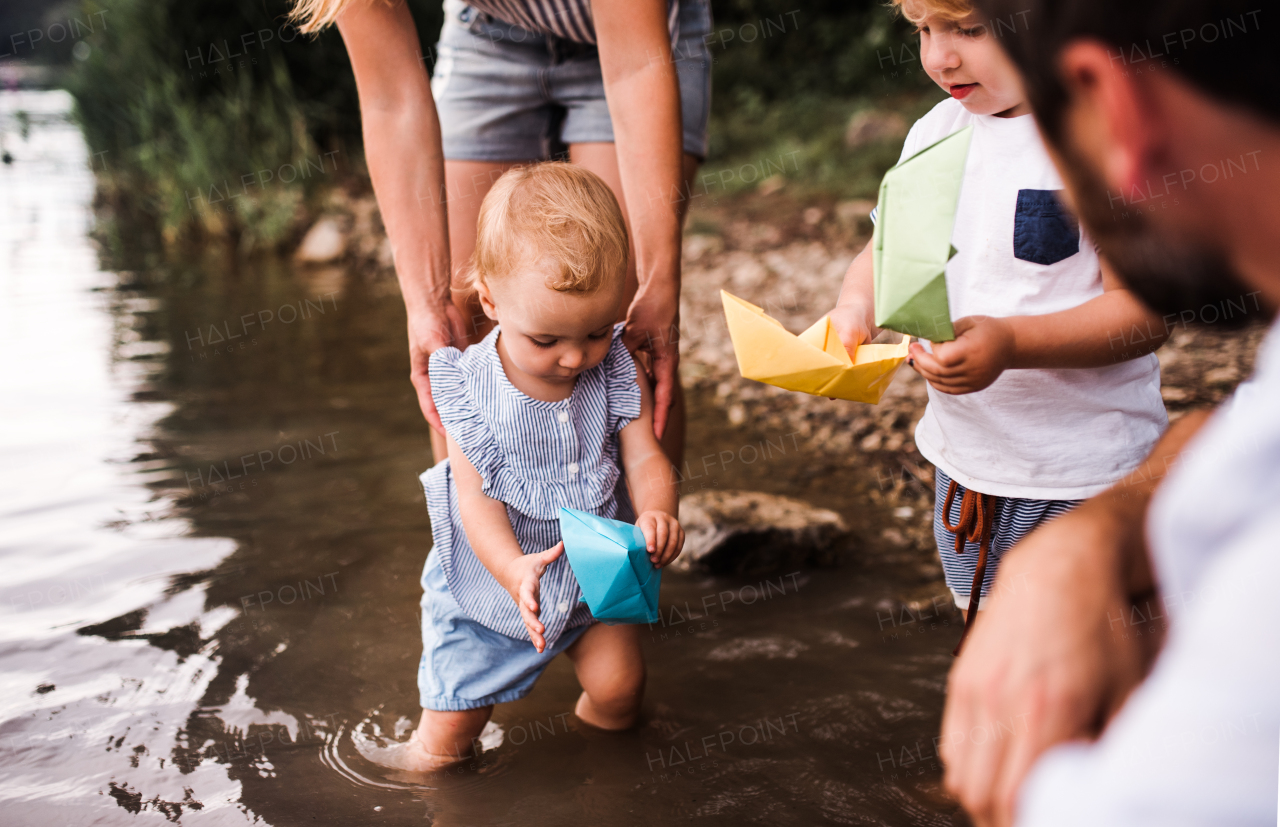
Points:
[(467, 183), (444, 738), (611, 669), (602, 159)]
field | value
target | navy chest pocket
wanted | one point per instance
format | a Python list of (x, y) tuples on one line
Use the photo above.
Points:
[(1044, 232)]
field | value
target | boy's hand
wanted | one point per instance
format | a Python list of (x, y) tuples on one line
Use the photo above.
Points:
[(850, 321), (663, 536), (520, 579), (982, 350)]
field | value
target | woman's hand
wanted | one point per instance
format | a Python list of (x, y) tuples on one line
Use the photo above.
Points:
[(663, 536), (653, 327), (983, 349), (643, 92), (520, 577), (429, 331)]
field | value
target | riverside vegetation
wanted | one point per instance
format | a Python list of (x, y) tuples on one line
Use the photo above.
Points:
[(203, 112)]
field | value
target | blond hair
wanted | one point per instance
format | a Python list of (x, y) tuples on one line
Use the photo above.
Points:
[(552, 214), (913, 10), (310, 16)]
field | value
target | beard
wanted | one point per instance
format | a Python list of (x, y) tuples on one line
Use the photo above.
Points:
[(1171, 274)]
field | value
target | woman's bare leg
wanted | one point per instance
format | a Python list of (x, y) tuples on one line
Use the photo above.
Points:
[(602, 159), (467, 183)]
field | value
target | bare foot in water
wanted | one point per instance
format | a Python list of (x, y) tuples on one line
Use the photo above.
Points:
[(415, 757), (444, 738), (441, 740)]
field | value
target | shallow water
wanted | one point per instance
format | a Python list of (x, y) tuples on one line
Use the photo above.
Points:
[(212, 550)]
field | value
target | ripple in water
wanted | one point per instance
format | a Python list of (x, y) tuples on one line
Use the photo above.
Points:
[(386, 755)]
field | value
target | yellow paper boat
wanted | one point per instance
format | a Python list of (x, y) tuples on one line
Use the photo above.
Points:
[(814, 362)]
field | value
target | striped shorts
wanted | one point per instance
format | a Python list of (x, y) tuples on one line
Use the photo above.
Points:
[(1014, 519)]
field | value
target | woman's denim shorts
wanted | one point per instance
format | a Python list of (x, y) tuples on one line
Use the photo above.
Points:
[(507, 94)]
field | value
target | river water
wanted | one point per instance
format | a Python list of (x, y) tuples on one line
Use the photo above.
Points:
[(211, 548)]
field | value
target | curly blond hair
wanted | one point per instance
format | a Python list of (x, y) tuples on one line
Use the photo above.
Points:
[(552, 214), (913, 10)]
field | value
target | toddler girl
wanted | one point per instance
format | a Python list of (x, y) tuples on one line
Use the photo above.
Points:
[(548, 410)]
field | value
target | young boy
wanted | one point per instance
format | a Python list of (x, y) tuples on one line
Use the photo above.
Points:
[(1032, 408)]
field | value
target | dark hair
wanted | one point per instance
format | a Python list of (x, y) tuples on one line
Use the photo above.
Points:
[(1217, 45)]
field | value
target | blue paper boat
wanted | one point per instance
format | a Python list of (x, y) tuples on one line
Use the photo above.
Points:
[(611, 562)]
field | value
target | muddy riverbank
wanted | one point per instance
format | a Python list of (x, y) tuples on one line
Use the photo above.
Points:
[(213, 537)]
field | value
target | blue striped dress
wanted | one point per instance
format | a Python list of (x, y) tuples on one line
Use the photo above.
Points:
[(535, 457)]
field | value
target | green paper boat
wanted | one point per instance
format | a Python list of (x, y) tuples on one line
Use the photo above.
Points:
[(912, 241), (611, 562)]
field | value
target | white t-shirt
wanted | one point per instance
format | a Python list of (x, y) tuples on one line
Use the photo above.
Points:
[(1039, 434), (1198, 743)]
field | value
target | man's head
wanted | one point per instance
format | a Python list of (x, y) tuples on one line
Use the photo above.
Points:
[(1157, 112), (959, 54)]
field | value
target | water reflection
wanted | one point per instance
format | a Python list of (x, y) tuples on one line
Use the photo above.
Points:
[(213, 532)]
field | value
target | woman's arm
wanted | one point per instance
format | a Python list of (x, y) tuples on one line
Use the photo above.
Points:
[(1112, 328), (406, 162), (494, 542), (643, 93), (652, 481)]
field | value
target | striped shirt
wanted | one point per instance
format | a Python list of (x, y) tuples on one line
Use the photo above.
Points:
[(535, 457), (566, 19)]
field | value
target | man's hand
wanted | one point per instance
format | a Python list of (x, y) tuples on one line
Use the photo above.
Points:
[(427, 332), (663, 536), (520, 578), (653, 326), (1046, 662), (983, 349)]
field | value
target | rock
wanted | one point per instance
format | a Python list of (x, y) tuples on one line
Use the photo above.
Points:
[(324, 242), (854, 212), (771, 647), (1226, 375), (749, 532), (386, 254), (814, 215), (698, 245), (869, 127), (771, 184)]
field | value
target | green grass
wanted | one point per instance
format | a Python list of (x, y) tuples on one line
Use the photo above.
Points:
[(802, 140), (191, 152)]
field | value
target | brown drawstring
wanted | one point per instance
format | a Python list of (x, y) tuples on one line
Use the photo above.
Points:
[(977, 514)]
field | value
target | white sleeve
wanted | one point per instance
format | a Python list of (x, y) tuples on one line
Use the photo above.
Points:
[(1199, 742), (910, 146), (913, 142)]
